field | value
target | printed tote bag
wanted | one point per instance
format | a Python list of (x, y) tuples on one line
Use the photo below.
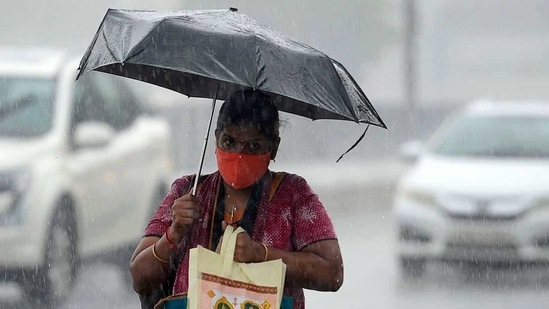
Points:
[(217, 282)]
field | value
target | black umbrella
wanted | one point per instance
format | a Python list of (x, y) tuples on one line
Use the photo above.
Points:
[(212, 53)]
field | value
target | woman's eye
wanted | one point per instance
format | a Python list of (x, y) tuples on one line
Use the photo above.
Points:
[(254, 145), (228, 143)]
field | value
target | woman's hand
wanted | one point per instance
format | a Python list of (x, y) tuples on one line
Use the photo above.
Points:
[(185, 211), (318, 266), (248, 250)]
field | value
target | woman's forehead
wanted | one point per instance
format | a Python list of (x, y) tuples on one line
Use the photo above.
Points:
[(242, 131)]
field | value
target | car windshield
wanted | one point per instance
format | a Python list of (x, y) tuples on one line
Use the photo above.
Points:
[(26, 106), (494, 136)]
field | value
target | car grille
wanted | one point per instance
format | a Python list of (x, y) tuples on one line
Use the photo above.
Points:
[(483, 217), (500, 208), (484, 245), (503, 251), (481, 238)]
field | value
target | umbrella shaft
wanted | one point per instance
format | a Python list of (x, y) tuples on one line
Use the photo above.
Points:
[(201, 162)]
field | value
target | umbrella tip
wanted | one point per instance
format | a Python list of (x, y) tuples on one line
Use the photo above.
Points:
[(233, 9)]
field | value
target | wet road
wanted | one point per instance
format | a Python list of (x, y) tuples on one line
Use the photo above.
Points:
[(362, 220)]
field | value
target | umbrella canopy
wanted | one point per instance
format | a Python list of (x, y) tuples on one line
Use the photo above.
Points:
[(212, 53)]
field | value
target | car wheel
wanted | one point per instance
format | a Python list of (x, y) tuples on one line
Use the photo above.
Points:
[(52, 282), (412, 267)]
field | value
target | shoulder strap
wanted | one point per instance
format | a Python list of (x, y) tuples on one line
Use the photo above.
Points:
[(275, 183)]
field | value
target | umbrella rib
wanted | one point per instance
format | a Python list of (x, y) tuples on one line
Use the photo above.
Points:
[(348, 101), (88, 52), (260, 79), (131, 52), (370, 106), (108, 47)]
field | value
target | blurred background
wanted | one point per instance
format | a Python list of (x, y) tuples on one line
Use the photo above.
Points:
[(417, 61)]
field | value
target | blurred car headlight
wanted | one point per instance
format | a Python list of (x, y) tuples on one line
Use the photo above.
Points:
[(419, 196), (13, 185), (540, 204)]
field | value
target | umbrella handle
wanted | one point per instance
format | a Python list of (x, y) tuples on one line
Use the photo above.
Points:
[(201, 162)]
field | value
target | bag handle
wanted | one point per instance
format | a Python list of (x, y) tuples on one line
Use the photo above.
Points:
[(225, 239), (227, 249), (227, 252), (228, 241)]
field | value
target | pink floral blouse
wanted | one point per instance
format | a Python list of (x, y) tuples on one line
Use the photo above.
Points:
[(293, 219)]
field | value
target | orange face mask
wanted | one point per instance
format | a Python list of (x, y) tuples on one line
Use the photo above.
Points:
[(240, 170)]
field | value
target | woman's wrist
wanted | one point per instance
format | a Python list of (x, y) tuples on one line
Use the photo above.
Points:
[(175, 236), (153, 250), (170, 240), (266, 256), (262, 252)]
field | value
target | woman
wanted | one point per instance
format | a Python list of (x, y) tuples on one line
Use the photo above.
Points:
[(294, 226)]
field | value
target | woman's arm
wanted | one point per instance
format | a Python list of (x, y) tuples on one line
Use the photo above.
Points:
[(318, 266), (148, 272), (150, 263)]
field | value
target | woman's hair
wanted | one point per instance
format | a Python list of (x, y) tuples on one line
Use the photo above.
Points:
[(250, 108)]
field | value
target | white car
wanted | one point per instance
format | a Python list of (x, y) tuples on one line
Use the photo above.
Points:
[(479, 191), (82, 167)]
